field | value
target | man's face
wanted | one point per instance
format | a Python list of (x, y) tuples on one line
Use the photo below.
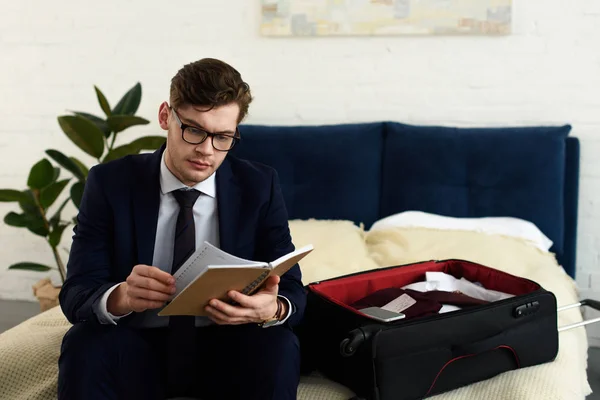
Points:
[(193, 163)]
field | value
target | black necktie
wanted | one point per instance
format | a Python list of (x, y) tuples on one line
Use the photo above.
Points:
[(182, 343), (185, 229)]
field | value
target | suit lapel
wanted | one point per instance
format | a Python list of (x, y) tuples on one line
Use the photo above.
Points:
[(228, 200), (146, 202)]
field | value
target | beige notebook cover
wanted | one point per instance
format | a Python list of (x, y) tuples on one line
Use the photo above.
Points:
[(211, 273)]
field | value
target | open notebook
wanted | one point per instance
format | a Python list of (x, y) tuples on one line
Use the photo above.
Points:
[(210, 273)]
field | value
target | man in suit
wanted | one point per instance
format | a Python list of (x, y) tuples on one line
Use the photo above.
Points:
[(140, 218)]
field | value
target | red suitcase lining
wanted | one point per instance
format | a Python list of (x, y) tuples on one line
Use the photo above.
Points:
[(347, 290)]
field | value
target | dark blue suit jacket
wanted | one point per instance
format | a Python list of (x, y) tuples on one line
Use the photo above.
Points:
[(117, 221)]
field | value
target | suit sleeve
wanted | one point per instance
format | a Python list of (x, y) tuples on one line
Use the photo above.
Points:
[(274, 240), (88, 269)]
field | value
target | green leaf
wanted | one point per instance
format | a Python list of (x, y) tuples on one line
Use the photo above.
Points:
[(41, 174), (119, 152), (37, 226), (82, 167), (33, 214), (56, 174), (84, 133), (100, 123), (66, 163), (77, 193), (118, 123), (56, 217), (14, 219), (49, 194), (143, 143), (34, 223), (130, 102), (56, 235), (29, 266), (148, 142), (103, 102), (28, 204), (10, 195)]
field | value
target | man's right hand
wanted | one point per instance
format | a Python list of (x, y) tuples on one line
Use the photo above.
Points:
[(145, 288)]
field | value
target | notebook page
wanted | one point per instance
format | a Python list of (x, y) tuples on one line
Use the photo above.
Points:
[(300, 253), (199, 261)]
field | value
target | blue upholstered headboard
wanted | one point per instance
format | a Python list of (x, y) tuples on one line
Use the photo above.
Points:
[(364, 172)]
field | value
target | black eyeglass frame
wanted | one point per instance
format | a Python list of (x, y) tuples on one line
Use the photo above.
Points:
[(236, 137)]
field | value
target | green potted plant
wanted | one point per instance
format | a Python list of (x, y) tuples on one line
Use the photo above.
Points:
[(40, 213)]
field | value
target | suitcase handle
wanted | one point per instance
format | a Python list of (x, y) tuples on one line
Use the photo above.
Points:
[(587, 302)]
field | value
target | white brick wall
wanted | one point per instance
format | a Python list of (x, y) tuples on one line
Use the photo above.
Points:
[(52, 53)]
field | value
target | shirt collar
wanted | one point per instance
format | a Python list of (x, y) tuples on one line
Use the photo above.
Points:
[(169, 182)]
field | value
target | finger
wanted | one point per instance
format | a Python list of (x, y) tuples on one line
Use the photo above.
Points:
[(147, 294), (155, 273), (273, 280), (244, 300), (138, 305), (271, 285), (150, 284), (221, 319), (229, 310), (261, 306), (217, 315)]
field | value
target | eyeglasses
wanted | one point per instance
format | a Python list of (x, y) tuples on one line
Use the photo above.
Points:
[(194, 135)]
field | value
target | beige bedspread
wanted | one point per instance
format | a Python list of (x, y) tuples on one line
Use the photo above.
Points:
[(29, 352)]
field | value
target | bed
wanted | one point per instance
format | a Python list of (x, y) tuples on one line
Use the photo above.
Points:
[(378, 194)]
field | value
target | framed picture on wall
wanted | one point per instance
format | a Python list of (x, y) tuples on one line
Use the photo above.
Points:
[(385, 17)]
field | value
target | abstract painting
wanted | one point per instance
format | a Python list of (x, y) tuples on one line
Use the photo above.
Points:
[(385, 17)]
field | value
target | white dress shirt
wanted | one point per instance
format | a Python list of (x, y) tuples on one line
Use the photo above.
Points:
[(206, 222)]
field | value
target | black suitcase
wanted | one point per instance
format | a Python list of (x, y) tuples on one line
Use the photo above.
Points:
[(420, 357)]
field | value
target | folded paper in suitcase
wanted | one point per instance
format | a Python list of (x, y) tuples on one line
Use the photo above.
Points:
[(426, 353)]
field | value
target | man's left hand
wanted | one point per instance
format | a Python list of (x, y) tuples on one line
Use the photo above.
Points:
[(257, 308)]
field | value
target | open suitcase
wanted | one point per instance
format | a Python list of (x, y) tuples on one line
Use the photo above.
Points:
[(414, 358)]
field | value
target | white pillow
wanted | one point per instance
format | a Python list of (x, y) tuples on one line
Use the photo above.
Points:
[(508, 226), (339, 248)]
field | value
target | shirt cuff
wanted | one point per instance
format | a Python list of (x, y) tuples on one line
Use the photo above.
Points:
[(290, 311), (102, 310)]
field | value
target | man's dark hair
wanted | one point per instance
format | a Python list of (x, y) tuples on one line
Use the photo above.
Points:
[(210, 83)]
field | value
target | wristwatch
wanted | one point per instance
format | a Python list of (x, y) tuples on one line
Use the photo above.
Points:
[(274, 320)]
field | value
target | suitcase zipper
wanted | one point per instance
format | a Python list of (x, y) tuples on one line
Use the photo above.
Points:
[(438, 316), (415, 263), (467, 311)]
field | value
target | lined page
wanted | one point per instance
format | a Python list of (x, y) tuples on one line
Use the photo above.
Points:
[(199, 261), (302, 251)]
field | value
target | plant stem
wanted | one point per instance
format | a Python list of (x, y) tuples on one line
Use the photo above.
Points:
[(36, 197), (112, 143), (59, 262)]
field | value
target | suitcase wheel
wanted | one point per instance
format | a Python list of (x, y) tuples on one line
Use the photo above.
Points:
[(349, 345), (347, 349)]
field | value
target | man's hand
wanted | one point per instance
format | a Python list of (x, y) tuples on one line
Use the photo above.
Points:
[(145, 288), (249, 309)]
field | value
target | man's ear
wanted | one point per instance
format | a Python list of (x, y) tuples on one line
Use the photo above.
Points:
[(163, 115)]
